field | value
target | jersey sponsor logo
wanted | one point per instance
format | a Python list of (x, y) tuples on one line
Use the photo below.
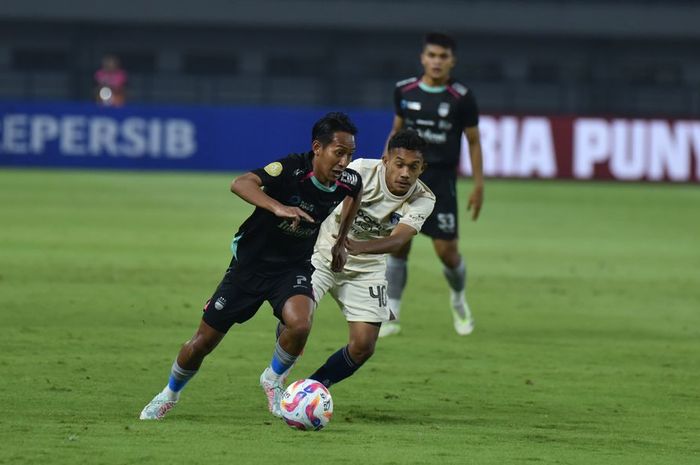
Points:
[(410, 105), (302, 231), (444, 109), (433, 137), (274, 169), (309, 207), (298, 172), (296, 201), (220, 303), (366, 226), (417, 217), (425, 122), (348, 178)]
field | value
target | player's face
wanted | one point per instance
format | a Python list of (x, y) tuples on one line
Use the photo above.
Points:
[(402, 169), (437, 62), (330, 160), (110, 63)]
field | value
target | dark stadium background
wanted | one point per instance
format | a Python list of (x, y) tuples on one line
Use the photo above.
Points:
[(290, 61)]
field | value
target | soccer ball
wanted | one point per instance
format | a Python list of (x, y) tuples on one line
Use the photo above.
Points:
[(307, 405)]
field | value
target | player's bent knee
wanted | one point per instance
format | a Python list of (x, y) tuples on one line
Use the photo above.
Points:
[(203, 344), (450, 261), (299, 328), (360, 353), (449, 256)]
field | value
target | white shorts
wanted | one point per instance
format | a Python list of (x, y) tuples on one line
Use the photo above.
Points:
[(361, 295)]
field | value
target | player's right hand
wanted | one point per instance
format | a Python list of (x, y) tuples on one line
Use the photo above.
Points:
[(296, 214), (339, 257), (476, 199)]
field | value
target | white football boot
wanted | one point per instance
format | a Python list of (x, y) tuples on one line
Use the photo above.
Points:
[(389, 328), (464, 325), (158, 407), (273, 391)]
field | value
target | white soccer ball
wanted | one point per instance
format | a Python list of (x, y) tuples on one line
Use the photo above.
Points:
[(307, 405)]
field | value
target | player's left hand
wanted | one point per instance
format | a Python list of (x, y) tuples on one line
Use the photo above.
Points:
[(475, 200), (339, 256)]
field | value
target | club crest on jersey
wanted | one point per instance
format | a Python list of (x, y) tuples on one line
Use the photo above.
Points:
[(395, 218), (444, 109), (409, 105), (274, 169)]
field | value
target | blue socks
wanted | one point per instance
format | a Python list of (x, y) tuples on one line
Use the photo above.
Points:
[(281, 360), (178, 379)]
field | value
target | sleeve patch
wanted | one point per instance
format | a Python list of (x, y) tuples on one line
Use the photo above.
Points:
[(274, 169)]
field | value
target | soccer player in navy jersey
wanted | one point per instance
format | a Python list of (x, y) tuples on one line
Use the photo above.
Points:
[(441, 109), (395, 204), (272, 255)]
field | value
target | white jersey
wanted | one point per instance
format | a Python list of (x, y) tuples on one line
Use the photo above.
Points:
[(379, 213)]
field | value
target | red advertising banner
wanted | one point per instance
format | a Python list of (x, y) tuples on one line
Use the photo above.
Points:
[(588, 148)]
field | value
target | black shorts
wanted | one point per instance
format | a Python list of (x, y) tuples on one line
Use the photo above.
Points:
[(443, 222), (241, 293)]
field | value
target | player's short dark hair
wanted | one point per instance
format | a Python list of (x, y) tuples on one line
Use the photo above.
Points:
[(331, 123), (438, 38), (408, 139)]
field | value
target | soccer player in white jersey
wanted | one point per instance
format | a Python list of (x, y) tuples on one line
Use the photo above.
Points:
[(393, 208)]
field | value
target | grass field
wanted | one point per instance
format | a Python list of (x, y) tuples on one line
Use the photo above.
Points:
[(587, 347)]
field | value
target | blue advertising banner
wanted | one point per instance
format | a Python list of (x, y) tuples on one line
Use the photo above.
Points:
[(82, 135)]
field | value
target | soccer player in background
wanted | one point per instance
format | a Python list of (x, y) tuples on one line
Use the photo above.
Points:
[(272, 252), (440, 108), (394, 207), (110, 82)]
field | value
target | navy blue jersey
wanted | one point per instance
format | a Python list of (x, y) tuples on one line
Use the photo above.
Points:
[(267, 241), (439, 114)]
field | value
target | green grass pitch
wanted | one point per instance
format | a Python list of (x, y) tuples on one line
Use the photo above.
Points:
[(586, 349)]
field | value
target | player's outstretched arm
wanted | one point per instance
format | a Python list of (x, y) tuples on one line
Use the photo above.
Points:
[(398, 238), (476, 198), (347, 215), (248, 187)]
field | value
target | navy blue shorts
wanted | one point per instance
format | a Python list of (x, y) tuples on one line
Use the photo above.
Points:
[(241, 293), (443, 222)]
